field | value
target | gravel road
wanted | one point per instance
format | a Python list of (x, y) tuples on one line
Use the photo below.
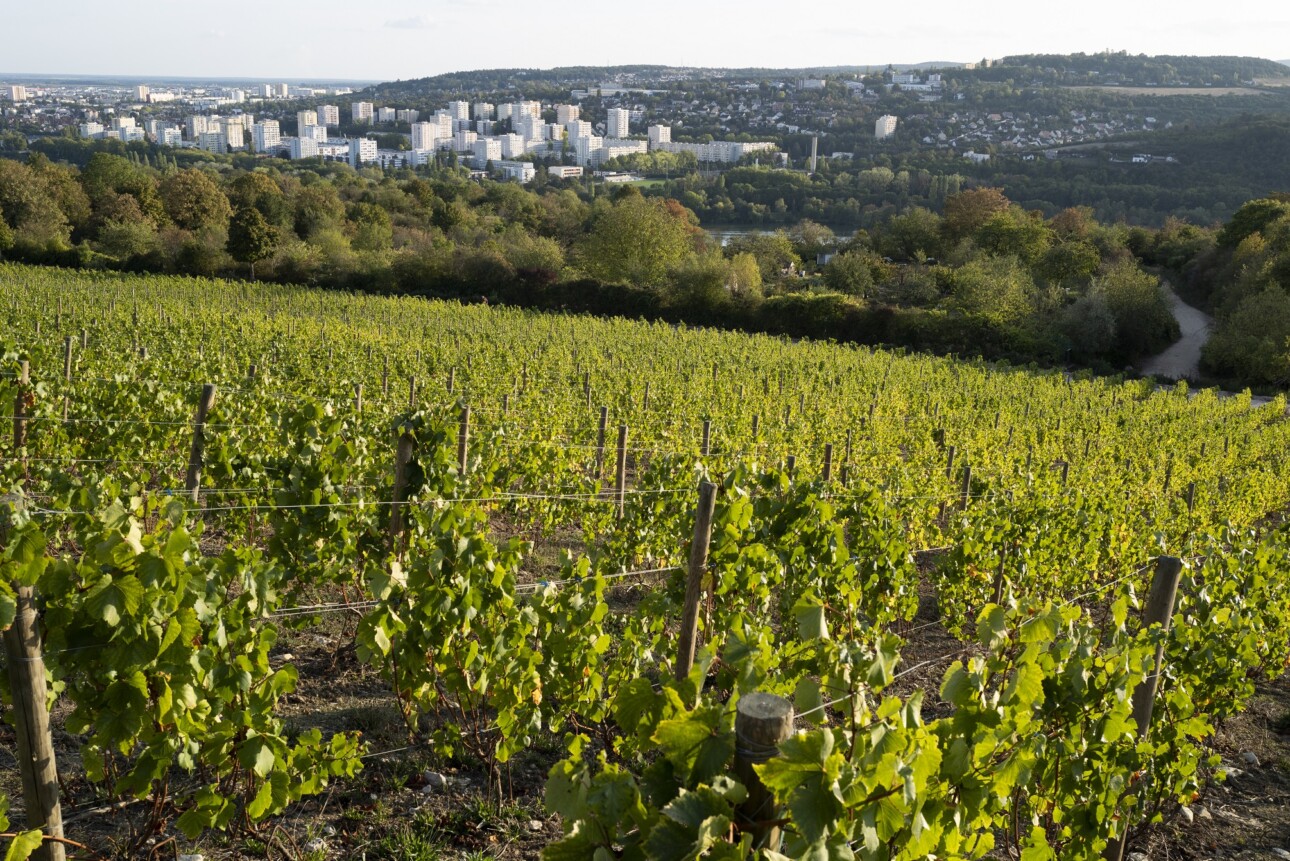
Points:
[(1182, 360)]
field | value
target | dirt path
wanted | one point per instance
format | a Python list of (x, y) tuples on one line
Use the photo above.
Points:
[(1182, 360)]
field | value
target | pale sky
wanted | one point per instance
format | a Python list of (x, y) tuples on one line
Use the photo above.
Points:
[(296, 41)]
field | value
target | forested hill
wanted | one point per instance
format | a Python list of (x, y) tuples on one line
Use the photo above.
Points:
[(537, 82), (1104, 68), (1139, 69)]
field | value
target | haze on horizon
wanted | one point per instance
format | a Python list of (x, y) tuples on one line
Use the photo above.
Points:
[(392, 39)]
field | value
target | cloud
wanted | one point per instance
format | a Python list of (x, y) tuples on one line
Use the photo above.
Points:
[(418, 22)]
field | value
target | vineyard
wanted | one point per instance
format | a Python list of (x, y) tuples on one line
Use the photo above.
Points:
[(628, 547)]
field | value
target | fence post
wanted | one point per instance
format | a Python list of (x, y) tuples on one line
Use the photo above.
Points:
[(762, 723), (828, 462), (600, 441), (965, 489), (20, 406), (193, 480), (402, 460), (412, 393), (1159, 611), (463, 441), (707, 437), (694, 582), (620, 471), (36, 762), (67, 359)]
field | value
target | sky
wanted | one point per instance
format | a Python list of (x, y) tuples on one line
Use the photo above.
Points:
[(382, 40)]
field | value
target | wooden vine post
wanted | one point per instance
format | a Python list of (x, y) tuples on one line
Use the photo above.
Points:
[(26, 667), (600, 441), (694, 581), (1159, 611), (403, 454), (762, 723), (193, 479), (463, 441), (620, 472)]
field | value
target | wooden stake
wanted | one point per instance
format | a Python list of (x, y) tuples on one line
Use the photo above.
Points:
[(828, 463), (36, 762), (67, 359), (358, 398), (694, 582), (402, 460), (463, 441), (620, 471), (20, 406), (707, 437), (193, 480), (762, 723), (1159, 611), (600, 441)]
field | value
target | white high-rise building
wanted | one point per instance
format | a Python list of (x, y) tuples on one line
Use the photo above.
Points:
[(361, 112), (619, 120), (119, 123), (304, 147), (464, 141), (304, 119), (328, 115), (565, 114), (283, 91), (483, 111), (266, 136), (504, 112), (235, 128), (885, 126), (486, 150), (409, 116), (18, 93), (197, 125), (315, 133), (361, 151), (484, 127), (447, 125), (91, 130), (171, 136), (213, 141), (513, 145), (459, 110), (578, 129), (659, 134), (385, 115), (584, 149), (425, 135), (141, 92)]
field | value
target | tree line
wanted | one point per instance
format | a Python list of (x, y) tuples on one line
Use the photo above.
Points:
[(977, 274)]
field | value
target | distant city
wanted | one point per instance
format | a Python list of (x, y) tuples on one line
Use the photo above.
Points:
[(1038, 107), (505, 139)]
